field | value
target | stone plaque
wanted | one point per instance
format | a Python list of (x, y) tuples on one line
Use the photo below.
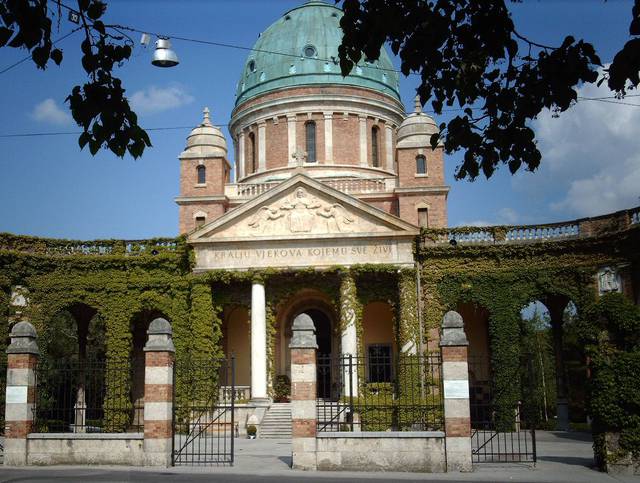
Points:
[(16, 394), (456, 389)]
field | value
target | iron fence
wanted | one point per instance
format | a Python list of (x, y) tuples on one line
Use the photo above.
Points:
[(380, 392), (91, 396), (204, 423)]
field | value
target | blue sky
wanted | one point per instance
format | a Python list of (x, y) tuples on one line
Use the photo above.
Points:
[(48, 187)]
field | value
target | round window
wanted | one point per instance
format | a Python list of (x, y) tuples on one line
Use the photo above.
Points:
[(309, 51), (252, 66)]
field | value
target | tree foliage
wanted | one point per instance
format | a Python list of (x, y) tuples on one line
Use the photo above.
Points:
[(469, 54), (99, 106)]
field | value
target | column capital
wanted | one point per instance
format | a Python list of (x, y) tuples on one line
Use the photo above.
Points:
[(23, 339), (160, 337), (452, 332), (328, 115)]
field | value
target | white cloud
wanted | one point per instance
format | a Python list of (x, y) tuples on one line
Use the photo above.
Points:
[(157, 99), (49, 112), (590, 157), (504, 216)]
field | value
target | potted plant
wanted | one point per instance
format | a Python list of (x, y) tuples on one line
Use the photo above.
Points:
[(282, 389), (251, 431)]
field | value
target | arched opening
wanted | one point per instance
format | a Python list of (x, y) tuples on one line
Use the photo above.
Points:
[(319, 307), (375, 155), (310, 136), (253, 162), (202, 174), (421, 164), (236, 340), (379, 340)]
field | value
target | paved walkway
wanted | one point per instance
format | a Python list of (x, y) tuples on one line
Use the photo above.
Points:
[(562, 457)]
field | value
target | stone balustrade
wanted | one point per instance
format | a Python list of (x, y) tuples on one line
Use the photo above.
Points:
[(51, 246), (240, 393), (581, 228), (346, 185)]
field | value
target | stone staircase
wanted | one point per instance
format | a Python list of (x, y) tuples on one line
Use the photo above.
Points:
[(276, 424)]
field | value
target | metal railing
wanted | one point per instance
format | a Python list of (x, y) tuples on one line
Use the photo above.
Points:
[(380, 393), (86, 397)]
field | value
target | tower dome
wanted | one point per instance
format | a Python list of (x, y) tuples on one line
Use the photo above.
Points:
[(301, 48), (205, 140), (416, 129)]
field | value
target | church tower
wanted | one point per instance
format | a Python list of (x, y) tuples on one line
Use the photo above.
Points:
[(204, 172)]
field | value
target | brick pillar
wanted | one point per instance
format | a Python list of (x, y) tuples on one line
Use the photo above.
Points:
[(455, 375), (22, 357), (158, 394), (303, 393)]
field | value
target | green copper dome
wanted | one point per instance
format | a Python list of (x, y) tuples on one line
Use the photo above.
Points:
[(309, 37)]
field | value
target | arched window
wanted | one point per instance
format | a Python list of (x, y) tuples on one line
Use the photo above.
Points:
[(252, 151), (375, 158), (202, 174), (310, 132), (421, 164)]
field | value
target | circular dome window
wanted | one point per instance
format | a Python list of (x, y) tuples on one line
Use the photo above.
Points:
[(252, 66), (309, 51)]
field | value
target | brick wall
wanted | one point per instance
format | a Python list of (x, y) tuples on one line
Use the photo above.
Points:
[(437, 206), (407, 167)]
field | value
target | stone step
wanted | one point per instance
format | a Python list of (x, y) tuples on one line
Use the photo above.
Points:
[(277, 422)]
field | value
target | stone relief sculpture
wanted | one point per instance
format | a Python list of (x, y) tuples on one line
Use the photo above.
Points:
[(608, 280), (301, 213)]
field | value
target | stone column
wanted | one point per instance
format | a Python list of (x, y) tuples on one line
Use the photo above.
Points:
[(328, 137), (389, 146), (258, 344), (349, 336), (303, 393), (158, 394), (291, 139), (455, 375), (22, 357), (241, 166), (363, 141), (262, 146)]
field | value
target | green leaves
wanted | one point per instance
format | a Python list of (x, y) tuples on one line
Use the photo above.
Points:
[(470, 55), (99, 106)]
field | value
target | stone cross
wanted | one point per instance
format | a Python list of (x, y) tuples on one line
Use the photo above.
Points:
[(300, 157), (418, 105), (207, 119)]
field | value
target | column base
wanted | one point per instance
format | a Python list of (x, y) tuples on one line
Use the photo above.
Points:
[(260, 401), (459, 453), (157, 452)]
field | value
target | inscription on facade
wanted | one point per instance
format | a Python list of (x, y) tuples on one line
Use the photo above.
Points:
[(304, 253)]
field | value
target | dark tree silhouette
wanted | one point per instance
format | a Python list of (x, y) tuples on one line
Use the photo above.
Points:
[(470, 55)]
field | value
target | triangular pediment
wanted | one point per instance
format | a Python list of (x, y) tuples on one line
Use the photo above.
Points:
[(302, 208)]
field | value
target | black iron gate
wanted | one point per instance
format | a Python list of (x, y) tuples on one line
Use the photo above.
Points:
[(499, 434), (204, 426)]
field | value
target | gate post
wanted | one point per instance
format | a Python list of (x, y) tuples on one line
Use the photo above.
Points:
[(22, 358), (158, 394), (455, 376), (303, 393)]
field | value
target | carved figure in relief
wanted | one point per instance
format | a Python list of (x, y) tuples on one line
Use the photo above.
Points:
[(265, 214), (300, 214), (608, 280), (337, 217)]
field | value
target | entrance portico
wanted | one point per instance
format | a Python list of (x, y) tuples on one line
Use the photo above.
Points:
[(301, 224)]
